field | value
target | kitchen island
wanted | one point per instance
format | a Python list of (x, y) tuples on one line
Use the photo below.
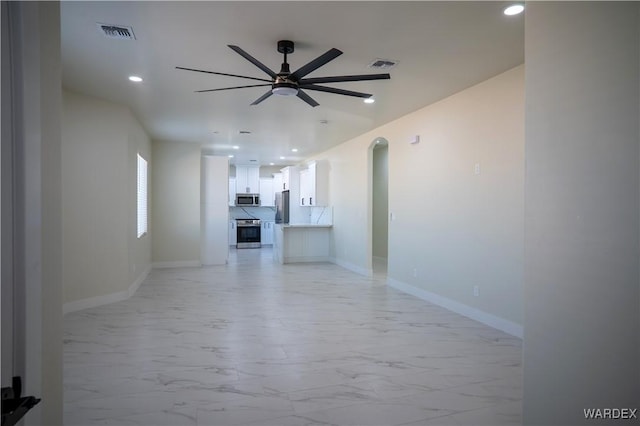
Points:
[(303, 242)]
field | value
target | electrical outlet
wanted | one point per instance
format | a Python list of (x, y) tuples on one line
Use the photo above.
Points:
[(415, 272), (476, 290), (476, 168)]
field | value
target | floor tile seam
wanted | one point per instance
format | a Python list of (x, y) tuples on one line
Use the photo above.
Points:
[(498, 400), (164, 413), (459, 411), (230, 397), (431, 419), (173, 391), (320, 411), (275, 413), (119, 417), (315, 422), (344, 403)]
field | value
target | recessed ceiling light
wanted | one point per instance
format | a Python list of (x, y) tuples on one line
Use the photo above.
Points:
[(272, 164), (230, 155), (294, 149), (369, 101), (514, 9), (135, 78), (236, 147), (282, 158)]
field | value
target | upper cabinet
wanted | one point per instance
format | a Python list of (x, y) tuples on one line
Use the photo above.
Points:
[(267, 196), (232, 191), (286, 178), (278, 186), (305, 187), (314, 184), (247, 179)]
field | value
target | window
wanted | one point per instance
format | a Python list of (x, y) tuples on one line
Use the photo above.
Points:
[(142, 196)]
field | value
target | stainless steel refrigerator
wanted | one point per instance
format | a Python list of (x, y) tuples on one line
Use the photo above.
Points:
[(282, 207)]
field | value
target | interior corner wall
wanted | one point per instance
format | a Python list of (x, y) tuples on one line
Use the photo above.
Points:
[(31, 55), (175, 211), (453, 229), (582, 284), (102, 255)]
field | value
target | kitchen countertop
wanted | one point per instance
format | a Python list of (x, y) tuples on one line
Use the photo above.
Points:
[(305, 225)]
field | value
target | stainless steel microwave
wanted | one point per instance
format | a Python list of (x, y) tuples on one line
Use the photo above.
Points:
[(248, 200)]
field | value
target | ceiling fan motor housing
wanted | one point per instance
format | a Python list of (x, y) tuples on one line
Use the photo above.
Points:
[(284, 87)]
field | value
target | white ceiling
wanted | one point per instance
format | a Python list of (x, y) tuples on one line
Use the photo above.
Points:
[(441, 48)]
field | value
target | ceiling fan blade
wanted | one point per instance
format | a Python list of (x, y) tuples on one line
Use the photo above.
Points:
[(336, 91), (253, 60), (321, 60), (342, 78), (262, 98), (229, 88), (222, 73), (308, 99)]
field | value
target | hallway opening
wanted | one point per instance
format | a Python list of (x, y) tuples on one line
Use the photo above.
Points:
[(379, 169)]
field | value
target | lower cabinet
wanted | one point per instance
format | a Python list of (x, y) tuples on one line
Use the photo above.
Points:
[(266, 232), (300, 243), (233, 233)]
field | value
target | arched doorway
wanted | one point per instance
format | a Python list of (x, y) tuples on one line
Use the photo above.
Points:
[(379, 207)]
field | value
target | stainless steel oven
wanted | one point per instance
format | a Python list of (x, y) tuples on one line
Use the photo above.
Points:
[(248, 233)]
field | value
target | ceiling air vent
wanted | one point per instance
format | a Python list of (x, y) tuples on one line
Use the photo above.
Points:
[(383, 64), (119, 32)]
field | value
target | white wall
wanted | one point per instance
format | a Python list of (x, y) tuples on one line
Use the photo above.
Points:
[(455, 228), (175, 211), (214, 210), (102, 256), (582, 320)]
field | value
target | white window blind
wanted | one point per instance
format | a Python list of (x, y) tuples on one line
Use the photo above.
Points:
[(142, 196)]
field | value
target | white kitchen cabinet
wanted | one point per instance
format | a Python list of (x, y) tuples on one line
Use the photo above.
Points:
[(305, 188), (266, 232), (286, 178), (301, 243), (233, 233), (267, 197), (232, 192), (297, 214), (314, 184), (247, 179), (277, 183)]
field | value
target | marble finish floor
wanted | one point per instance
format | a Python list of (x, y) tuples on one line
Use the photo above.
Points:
[(257, 343)]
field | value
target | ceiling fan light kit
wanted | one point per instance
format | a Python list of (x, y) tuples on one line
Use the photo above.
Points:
[(286, 83)]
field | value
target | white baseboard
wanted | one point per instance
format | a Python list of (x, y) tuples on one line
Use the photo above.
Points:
[(105, 299), (177, 264), (491, 320), (353, 268), (306, 259)]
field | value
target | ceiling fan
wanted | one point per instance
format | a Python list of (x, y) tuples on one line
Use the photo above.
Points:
[(287, 83)]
